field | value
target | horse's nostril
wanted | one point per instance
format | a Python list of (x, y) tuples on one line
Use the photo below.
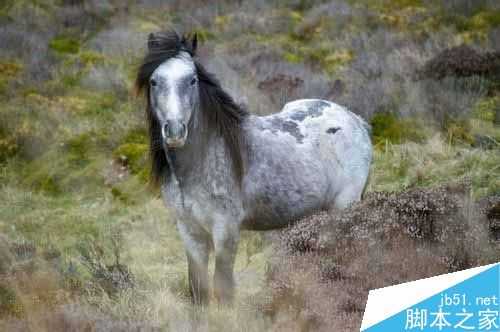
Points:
[(174, 129), (164, 131)]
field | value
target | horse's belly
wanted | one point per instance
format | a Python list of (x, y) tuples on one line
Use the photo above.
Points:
[(276, 203)]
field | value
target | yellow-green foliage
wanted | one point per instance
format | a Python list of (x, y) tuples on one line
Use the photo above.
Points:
[(458, 131), (65, 45), (8, 145), (321, 55), (481, 21), (292, 57), (77, 149), (387, 127), (485, 108), (133, 154), (203, 35), (296, 17), (76, 164), (9, 303), (397, 14), (222, 21), (90, 58), (136, 135), (8, 71)]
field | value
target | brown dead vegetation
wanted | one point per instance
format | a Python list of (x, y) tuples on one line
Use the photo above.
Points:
[(326, 264), (462, 61)]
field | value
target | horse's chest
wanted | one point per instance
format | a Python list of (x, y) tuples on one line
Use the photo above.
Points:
[(203, 202)]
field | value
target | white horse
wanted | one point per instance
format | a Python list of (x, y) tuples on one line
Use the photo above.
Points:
[(222, 169)]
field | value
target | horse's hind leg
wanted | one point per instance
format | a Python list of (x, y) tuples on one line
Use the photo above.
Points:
[(225, 245), (197, 244)]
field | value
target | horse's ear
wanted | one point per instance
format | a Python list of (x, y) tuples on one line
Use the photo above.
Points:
[(152, 41), (194, 42)]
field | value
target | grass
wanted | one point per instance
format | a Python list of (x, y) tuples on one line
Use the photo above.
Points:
[(397, 167)]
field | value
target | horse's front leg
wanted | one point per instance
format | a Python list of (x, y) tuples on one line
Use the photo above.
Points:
[(197, 244), (225, 238)]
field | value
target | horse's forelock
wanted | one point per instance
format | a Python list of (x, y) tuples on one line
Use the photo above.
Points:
[(162, 46)]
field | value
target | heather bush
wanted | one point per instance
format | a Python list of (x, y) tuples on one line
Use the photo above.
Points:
[(325, 265)]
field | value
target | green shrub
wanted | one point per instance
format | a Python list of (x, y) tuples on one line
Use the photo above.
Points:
[(133, 155), (101, 104), (136, 135), (65, 45), (493, 18), (120, 195), (292, 57), (77, 149), (485, 109), (203, 35), (386, 126), (49, 184), (90, 58)]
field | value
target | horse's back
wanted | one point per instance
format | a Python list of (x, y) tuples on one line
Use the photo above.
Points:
[(342, 141), (325, 124), (312, 155)]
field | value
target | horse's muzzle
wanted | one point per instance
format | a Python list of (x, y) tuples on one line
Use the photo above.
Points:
[(174, 133)]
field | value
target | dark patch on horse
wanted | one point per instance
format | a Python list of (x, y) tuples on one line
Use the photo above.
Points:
[(332, 130), (319, 104), (314, 110), (290, 127), (222, 113)]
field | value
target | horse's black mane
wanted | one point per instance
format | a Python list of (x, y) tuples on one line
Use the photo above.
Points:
[(220, 110)]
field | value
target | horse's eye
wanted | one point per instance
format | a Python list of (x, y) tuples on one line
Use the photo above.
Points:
[(193, 81), (152, 82)]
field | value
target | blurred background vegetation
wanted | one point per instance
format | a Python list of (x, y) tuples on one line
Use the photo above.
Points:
[(84, 242)]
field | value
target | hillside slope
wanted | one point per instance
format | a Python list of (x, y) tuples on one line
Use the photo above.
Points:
[(85, 243)]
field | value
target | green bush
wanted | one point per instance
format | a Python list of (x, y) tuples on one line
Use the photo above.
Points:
[(77, 149), (65, 45), (133, 155), (136, 135), (485, 109), (386, 126)]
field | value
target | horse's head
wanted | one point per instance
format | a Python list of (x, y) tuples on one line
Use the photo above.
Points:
[(173, 93), (181, 95)]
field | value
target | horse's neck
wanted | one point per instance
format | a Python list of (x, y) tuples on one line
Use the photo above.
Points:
[(203, 157)]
